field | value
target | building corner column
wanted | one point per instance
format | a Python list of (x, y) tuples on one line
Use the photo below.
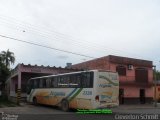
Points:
[(19, 84)]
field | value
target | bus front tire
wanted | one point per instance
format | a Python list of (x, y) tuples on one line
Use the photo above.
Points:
[(35, 101), (65, 105)]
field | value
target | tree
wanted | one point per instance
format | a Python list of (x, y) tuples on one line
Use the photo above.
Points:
[(158, 75), (7, 58), (4, 73)]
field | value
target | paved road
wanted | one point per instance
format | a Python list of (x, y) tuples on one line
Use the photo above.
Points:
[(138, 109), (30, 112), (31, 109)]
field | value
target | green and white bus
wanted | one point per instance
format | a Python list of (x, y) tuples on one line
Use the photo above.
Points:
[(79, 90)]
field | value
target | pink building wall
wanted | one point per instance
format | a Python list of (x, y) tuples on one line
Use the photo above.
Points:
[(130, 77), (128, 82), (22, 73)]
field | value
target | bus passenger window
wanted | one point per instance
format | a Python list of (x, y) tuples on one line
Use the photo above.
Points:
[(48, 82), (54, 83), (78, 80), (87, 80), (29, 86), (72, 81), (75, 81), (36, 83), (64, 81), (44, 83), (40, 83)]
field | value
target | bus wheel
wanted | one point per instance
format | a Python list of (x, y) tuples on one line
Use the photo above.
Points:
[(65, 105), (35, 101)]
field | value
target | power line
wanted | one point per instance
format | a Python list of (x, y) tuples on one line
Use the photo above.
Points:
[(50, 37), (61, 35), (61, 50), (59, 38), (47, 33)]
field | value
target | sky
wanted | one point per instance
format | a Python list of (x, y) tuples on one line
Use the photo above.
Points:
[(94, 28)]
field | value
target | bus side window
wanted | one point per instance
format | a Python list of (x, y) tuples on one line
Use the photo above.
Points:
[(30, 86), (36, 83), (74, 81), (78, 80), (91, 79), (87, 80), (48, 82), (63, 81), (66, 80), (40, 83), (58, 81), (83, 80), (44, 83), (54, 83)]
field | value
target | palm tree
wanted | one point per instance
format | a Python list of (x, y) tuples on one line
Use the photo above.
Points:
[(7, 58), (0, 58)]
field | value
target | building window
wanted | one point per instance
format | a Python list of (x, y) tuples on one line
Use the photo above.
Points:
[(141, 75), (121, 70)]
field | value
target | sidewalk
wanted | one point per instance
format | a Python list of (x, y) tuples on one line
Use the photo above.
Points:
[(140, 106), (138, 109)]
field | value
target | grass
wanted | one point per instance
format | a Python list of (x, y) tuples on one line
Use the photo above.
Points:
[(4, 102)]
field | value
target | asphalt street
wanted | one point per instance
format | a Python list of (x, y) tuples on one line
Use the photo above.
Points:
[(41, 112)]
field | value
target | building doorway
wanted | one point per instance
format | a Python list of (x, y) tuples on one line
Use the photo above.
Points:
[(121, 96), (142, 96)]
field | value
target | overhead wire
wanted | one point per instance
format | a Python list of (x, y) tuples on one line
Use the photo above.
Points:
[(64, 36), (54, 38), (47, 33), (72, 43), (49, 47), (50, 38)]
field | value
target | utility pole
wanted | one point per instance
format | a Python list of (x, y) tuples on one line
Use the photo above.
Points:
[(155, 86)]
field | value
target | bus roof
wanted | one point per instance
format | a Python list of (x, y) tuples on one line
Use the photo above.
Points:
[(73, 73)]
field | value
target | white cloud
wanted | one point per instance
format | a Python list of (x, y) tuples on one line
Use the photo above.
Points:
[(91, 27)]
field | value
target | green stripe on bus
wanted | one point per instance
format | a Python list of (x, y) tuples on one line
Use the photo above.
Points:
[(103, 77), (71, 98), (71, 93)]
